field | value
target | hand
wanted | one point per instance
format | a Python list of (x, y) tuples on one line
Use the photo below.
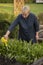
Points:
[(6, 37), (37, 37)]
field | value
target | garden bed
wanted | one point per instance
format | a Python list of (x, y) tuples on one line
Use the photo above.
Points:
[(7, 61), (20, 53)]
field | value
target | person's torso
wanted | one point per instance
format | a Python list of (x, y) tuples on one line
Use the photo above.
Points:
[(26, 27)]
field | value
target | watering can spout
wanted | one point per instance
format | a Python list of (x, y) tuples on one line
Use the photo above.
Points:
[(3, 40)]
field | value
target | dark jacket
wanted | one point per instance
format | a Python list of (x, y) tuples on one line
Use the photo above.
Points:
[(27, 27)]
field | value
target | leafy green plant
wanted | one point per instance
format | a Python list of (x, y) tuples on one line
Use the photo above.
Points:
[(5, 21), (29, 1), (6, 1), (6, 16), (21, 51)]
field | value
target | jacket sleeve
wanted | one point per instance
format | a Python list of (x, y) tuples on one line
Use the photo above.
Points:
[(15, 22), (36, 24)]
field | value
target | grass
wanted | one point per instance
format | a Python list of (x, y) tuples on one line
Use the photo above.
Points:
[(36, 8), (9, 8)]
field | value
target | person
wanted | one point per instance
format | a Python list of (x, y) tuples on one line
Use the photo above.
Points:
[(28, 26)]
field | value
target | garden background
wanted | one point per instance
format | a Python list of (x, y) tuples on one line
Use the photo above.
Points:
[(7, 14), (22, 51)]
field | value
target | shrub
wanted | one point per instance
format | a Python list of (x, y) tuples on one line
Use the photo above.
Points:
[(6, 16), (11, 1), (21, 51), (40, 17), (6, 1), (29, 1), (5, 21), (3, 27)]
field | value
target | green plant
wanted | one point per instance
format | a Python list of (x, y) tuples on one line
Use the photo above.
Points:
[(22, 51), (6, 1), (5, 21), (6, 16), (29, 1)]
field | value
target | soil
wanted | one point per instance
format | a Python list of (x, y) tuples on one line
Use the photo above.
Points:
[(7, 61)]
